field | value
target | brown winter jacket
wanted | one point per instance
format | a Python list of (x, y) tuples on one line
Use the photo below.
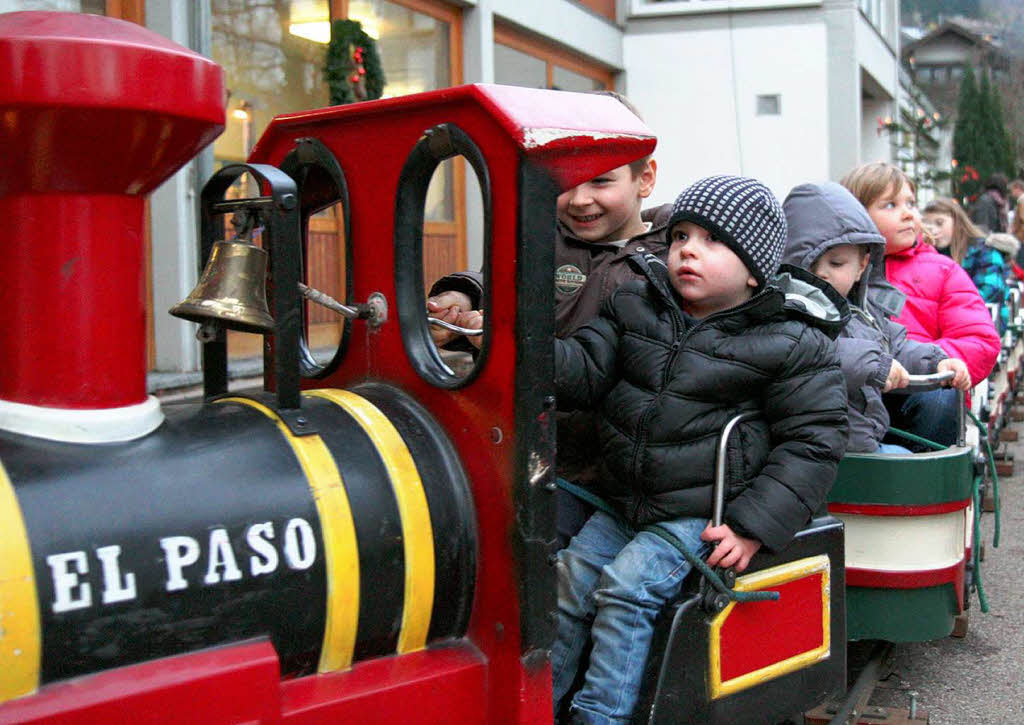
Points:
[(585, 276)]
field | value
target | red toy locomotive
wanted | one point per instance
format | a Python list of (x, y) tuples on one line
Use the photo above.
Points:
[(366, 540)]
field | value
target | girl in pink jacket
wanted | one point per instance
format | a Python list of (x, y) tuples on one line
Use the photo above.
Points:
[(942, 304)]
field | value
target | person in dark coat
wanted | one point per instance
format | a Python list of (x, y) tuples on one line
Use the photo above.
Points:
[(989, 210), (713, 333), (831, 234)]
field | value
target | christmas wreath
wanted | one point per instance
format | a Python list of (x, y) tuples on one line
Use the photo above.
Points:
[(353, 70)]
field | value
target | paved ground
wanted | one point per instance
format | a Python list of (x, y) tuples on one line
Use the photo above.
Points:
[(978, 680)]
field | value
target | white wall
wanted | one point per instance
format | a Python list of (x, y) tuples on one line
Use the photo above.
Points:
[(875, 146), (876, 57), (697, 85), (173, 226)]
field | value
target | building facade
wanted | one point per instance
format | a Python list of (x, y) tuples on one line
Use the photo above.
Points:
[(936, 60), (785, 90)]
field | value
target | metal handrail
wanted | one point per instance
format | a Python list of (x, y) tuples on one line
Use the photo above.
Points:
[(454, 328), (720, 464), (933, 381), (924, 383)]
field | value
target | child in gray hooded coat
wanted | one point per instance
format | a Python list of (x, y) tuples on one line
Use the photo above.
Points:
[(831, 235)]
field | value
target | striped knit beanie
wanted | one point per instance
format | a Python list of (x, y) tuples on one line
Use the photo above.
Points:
[(743, 213)]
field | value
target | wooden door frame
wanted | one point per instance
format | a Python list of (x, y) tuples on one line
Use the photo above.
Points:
[(131, 10)]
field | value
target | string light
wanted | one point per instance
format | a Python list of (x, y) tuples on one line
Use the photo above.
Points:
[(243, 112)]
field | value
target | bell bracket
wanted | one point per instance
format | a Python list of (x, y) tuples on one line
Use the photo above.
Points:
[(277, 208)]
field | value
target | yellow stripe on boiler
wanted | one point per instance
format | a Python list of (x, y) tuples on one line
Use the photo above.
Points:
[(341, 551), (20, 632), (417, 533)]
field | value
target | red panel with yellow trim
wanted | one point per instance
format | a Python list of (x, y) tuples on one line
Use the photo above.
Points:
[(758, 661)]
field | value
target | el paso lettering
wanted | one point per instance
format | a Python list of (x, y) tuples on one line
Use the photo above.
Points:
[(75, 576)]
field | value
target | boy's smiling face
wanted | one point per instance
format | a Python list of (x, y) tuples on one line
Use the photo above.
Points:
[(607, 208), (706, 273)]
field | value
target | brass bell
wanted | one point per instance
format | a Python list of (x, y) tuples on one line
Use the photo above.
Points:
[(232, 291)]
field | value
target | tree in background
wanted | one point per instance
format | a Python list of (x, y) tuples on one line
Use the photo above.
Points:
[(967, 136), (1008, 17), (981, 143), (1002, 148)]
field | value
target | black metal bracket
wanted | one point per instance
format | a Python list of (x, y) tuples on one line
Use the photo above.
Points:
[(294, 419), (277, 208)]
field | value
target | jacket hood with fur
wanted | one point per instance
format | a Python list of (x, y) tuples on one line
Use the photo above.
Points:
[(822, 216)]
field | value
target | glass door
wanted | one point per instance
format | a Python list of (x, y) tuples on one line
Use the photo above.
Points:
[(273, 53), (420, 49)]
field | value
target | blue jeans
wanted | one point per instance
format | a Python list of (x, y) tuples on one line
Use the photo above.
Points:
[(621, 578), (931, 415), (891, 449), (572, 514)]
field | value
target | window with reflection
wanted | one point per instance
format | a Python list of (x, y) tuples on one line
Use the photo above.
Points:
[(515, 68), (273, 59), (567, 80), (273, 56), (521, 59), (414, 47), (273, 53), (533, 68), (416, 50)]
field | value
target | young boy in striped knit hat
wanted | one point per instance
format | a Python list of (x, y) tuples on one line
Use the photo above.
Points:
[(672, 358)]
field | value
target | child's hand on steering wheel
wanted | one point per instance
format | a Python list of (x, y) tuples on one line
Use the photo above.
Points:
[(961, 378), (473, 320), (447, 307)]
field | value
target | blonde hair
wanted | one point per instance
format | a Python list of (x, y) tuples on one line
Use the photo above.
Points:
[(869, 181), (963, 228)]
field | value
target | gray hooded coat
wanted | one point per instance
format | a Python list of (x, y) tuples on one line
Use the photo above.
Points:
[(819, 217)]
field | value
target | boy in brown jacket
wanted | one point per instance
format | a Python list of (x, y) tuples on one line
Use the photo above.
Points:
[(600, 226)]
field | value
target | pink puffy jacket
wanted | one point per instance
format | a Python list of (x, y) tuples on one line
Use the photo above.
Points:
[(944, 307)]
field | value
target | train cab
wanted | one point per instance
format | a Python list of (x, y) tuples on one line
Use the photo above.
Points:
[(365, 539)]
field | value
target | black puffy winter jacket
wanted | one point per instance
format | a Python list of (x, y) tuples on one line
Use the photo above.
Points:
[(666, 384)]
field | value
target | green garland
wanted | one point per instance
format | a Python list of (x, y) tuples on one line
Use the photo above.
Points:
[(353, 71)]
